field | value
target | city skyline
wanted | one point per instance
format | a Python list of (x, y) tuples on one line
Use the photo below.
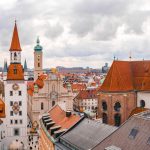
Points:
[(77, 33)]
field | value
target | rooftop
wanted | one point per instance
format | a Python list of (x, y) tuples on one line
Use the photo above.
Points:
[(134, 134), (86, 134), (127, 76)]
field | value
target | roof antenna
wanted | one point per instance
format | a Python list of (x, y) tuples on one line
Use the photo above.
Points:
[(130, 55)]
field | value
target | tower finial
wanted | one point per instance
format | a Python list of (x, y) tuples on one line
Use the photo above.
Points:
[(130, 56), (38, 40), (114, 57)]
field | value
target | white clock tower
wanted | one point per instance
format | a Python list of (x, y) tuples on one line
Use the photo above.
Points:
[(15, 98)]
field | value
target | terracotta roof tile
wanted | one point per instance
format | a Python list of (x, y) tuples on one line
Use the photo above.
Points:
[(39, 82), (2, 109), (59, 117), (15, 43), (137, 110), (78, 87), (127, 76), (87, 94), (19, 75)]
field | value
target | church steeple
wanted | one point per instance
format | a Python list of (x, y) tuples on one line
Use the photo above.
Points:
[(38, 62), (25, 65), (5, 66), (15, 43), (15, 48)]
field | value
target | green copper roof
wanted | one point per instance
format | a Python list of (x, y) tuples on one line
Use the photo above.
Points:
[(38, 47)]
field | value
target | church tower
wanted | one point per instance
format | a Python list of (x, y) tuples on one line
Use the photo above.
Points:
[(15, 97), (38, 62)]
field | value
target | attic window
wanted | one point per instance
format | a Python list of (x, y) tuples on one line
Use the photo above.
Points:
[(133, 133)]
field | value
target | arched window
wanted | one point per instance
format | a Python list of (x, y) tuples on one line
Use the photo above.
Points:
[(117, 106), (15, 56), (104, 118), (42, 106), (142, 103), (117, 119), (104, 105), (53, 103)]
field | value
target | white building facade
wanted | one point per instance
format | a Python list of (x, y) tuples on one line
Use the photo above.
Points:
[(15, 88)]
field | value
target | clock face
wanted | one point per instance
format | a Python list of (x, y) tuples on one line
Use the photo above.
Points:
[(54, 95), (15, 86)]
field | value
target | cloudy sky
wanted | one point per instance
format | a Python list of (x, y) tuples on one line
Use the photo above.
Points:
[(77, 32)]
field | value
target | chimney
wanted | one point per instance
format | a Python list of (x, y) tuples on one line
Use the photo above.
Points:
[(68, 113)]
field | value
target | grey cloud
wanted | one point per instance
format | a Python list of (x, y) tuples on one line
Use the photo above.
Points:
[(54, 31), (78, 28), (102, 7)]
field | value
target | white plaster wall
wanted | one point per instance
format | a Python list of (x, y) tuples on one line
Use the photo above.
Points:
[(143, 96), (16, 98)]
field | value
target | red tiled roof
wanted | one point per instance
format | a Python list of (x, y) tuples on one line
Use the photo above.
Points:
[(19, 75), (78, 87), (39, 82), (59, 117), (127, 76), (87, 94), (15, 43), (2, 109), (137, 110)]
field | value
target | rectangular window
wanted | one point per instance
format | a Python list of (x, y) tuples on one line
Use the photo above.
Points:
[(19, 93), (20, 113), (11, 103), (38, 64), (20, 121), (11, 93), (11, 121), (16, 132), (11, 113), (16, 121), (20, 103)]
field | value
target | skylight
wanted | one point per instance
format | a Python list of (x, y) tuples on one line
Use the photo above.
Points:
[(133, 133)]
